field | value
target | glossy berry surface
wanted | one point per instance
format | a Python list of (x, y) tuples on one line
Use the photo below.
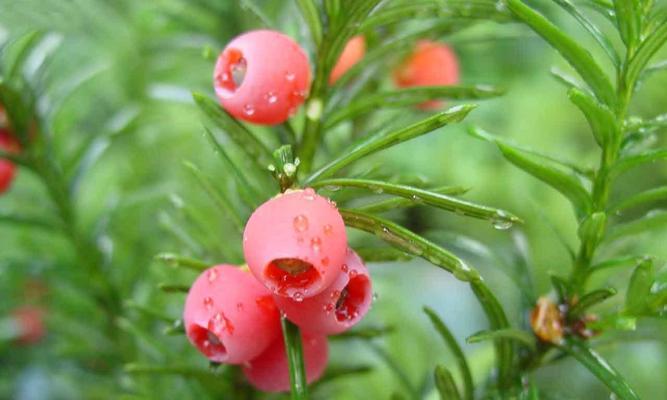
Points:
[(229, 317), (270, 371), (7, 169), (30, 324), (262, 77), (430, 64), (354, 51), (338, 308), (295, 244)]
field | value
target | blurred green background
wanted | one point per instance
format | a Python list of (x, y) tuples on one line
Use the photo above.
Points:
[(120, 72)]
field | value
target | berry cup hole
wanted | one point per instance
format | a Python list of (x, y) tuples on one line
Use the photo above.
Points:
[(352, 297), (208, 343), (291, 274), (231, 72)]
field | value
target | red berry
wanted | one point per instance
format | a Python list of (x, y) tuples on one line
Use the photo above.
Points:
[(229, 316), (352, 53), (262, 77), (295, 243), (30, 324), (430, 64), (338, 308), (270, 371), (7, 169)]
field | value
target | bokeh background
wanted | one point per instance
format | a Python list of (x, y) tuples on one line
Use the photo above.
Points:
[(120, 73)]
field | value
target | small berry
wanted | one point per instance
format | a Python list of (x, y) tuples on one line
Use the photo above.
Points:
[(354, 51), (221, 329), (338, 308), (262, 77), (7, 169), (295, 243), (430, 64), (270, 371), (30, 324)]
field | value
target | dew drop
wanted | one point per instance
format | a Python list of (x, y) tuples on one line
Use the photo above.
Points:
[(501, 221), (297, 296), (344, 268), (335, 294), (249, 109), (327, 229), (353, 273), (290, 76), (316, 244), (376, 296), (300, 223), (309, 194), (329, 308), (208, 302), (271, 98), (212, 275)]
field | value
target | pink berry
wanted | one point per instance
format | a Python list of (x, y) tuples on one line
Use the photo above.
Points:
[(295, 243), (30, 323), (430, 64), (338, 308), (262, 77), (7, 169), (229, 316), (352, 53), (270, 371)]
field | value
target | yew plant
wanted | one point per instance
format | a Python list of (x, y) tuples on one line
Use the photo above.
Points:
[(293, 126)]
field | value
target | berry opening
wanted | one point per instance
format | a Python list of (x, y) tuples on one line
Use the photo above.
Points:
[(230, 72), (351, 298), (291, 274), (208, 343)]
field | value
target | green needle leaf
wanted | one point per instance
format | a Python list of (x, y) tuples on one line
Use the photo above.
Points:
[(589, 300), (628, 19), (599, 37), (600, 118), (398, 202), (627, 163), (238, 133), (457, 352), (639, 288), (652, 220), (382, 141), (173, 288), (174, 260), (525, 338), (568, 185), (311, 16), (582, 61), (409, 97), (498, 217), (653, 42), (600, 368), (648, 196), (382, 254), (219, 197), (297, 370), (444, 383)]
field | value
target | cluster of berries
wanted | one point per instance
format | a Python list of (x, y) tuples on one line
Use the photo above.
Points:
[(263, 76), (300, 266), (9, 144)]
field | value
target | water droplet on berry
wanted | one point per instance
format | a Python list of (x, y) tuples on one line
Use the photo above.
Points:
[(315, 244), (297, 296), (353, 273), (328, 308), (335, 294), (249, 109), (271, 98), (344, 268), (290, 76), (208, 302), (211, 276), (300, 223), (327, 229), (309, 194)]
